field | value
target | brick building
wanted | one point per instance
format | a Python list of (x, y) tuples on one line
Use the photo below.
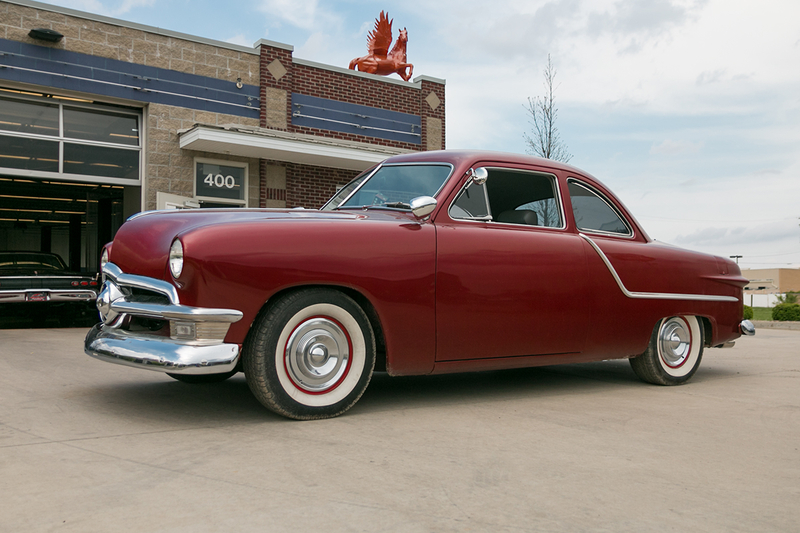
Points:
[(101, 118)]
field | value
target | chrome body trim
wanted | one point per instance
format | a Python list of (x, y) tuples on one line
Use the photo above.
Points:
[(176, 312), (747, 328), (653, 295), (14, 296), (159, 353), (112, 271)]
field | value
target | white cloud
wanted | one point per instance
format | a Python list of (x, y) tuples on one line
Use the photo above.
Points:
[(240, 39), (304, 14), (670, 147)]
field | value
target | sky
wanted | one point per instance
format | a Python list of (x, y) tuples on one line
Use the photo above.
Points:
[(689, 110)]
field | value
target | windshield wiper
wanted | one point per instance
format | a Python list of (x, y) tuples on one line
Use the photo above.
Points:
[(401, 205)]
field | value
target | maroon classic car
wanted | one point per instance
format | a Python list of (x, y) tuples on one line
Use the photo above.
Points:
[(428, 263)]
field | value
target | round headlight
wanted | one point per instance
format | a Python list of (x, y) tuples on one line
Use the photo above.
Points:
[(103, 258), (176, 258)]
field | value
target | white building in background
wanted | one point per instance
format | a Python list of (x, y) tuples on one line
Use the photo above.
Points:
[(766, 284)]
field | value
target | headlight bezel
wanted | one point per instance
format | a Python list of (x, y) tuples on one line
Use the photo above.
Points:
[(175, 260)]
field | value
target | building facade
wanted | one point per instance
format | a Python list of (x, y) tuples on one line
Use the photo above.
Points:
[(101, 118), (766, 284)]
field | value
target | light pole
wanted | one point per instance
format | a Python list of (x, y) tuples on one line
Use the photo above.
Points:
[(736, 257)]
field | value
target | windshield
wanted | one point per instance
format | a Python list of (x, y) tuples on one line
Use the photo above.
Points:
[(392, 186), (32, 260)]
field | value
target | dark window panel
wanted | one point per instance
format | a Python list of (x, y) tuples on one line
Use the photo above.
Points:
[(28, 117), (101, 161), (92, 125), (28, 154)]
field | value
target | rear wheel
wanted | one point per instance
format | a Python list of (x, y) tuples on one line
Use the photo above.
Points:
[(674, 352), (311, 355)]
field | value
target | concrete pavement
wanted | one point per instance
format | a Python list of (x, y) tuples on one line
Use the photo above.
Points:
[(89, 446)]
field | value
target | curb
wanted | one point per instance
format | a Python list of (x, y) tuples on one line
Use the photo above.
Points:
[(772, 324)]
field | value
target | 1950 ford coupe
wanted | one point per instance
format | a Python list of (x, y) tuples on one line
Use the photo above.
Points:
[(428, 263)]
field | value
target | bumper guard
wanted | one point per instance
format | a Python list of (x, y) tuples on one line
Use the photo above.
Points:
[(195, 344)]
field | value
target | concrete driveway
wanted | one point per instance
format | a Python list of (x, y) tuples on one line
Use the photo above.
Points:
[(89, 446)]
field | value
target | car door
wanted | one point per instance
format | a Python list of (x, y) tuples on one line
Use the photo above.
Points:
[(510, 279)]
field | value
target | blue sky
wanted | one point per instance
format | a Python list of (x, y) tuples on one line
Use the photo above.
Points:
[(688, 109)]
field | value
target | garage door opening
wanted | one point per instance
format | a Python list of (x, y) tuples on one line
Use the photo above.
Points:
[(73, 220)]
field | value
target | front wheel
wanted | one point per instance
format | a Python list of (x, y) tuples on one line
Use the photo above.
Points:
[(674, 352), (311, 355)]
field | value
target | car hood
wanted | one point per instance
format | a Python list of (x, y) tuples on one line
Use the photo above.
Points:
[(141, 246)]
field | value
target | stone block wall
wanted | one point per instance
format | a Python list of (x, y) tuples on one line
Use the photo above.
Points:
[(170, 169), (167, 168), (98, 38)]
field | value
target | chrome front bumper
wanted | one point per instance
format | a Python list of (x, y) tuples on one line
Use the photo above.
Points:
[(195, 344), (159, 353)]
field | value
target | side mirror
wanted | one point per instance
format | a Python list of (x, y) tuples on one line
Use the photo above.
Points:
[(422, 206), (478, 176)]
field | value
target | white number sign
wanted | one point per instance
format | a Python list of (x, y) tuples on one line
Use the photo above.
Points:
[(219, 181)]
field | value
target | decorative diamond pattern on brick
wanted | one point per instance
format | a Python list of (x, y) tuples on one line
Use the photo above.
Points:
[(433, 101), (277, 69)]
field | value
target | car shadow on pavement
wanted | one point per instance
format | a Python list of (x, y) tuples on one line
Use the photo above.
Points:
[(162, 399), (387, 393)]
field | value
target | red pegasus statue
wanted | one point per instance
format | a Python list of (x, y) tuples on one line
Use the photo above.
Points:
[(380, 60)]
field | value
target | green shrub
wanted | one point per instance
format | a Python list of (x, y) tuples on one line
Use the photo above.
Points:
[(786, 312), (788, 298), (748, 313)]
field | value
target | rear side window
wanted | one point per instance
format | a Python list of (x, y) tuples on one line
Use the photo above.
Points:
[(594, 213)]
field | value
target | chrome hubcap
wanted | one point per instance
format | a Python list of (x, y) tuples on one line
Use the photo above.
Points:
[(317, 354), (674, 342)]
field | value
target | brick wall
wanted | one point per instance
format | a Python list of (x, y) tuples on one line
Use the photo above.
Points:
[(291, 185), (303, 185), (281, 76)]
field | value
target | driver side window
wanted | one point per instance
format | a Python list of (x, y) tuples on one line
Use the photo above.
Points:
[(471, 203)]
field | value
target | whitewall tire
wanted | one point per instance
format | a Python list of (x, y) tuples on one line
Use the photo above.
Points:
[(311, 354), (674, 352)]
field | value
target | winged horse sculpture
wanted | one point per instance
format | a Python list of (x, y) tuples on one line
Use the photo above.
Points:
[(380, 59)]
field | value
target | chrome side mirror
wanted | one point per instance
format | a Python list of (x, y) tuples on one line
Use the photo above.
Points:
[(478, 176), (423, 206)]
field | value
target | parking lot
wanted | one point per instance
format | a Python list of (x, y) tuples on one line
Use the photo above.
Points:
[(89, 446)]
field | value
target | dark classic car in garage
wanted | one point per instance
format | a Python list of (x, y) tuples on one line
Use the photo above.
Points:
[(39, 285), (428, 263)]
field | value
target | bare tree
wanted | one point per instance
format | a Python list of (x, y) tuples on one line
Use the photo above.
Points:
[(545, 140)]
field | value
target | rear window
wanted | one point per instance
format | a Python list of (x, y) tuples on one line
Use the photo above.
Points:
[(594, 213)]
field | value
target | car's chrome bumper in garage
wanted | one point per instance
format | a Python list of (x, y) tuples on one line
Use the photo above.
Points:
[(47, 295), (195, 342), (159, 353)]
